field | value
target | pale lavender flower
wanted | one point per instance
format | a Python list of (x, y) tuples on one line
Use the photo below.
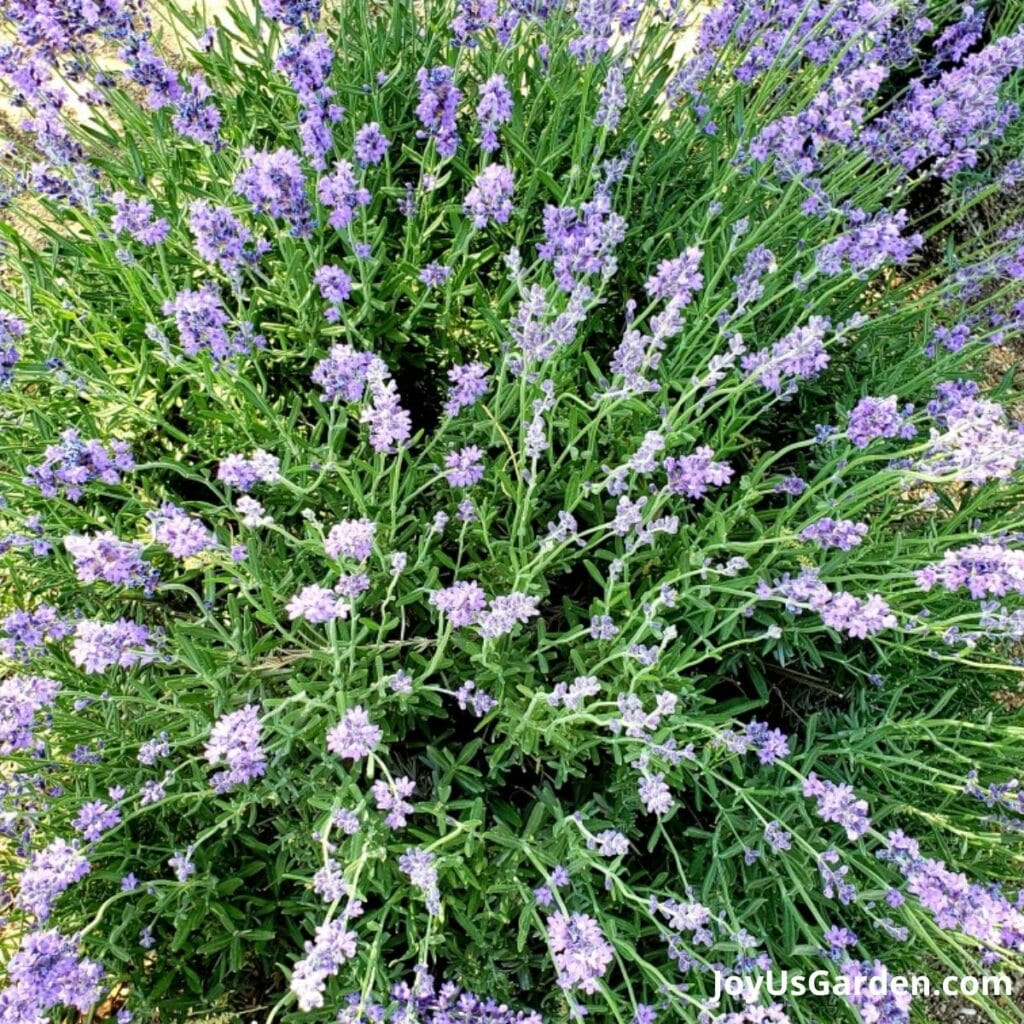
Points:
[(839, 804), (351, 538), (393, 798), (243, 473), (135, 217), (490, 198), (48, 873), (371, 144), (341, 193), (462, 603), (94, 818), (438, 104), (275, 185), (580, 950), (494, 108), (105, 557), (235, 739), (434, 275), (463, 468), (335, 288), (317, 604), (21, 700), (182, 534), (655, 794), (419, 866), (504, 612), (355, 736), (101, 645), (835, 533)]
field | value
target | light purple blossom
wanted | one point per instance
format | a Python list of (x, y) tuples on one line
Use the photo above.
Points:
[(835, 533), (182, 534), (351, 538), (371, 144), (490, 198), (464, 468), (355, 736), (580, 950), (236, 739), (317, 604), (393, 798), (101, 645), (342, 194)]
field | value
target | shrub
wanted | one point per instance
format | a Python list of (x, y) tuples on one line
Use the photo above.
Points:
[(509, 514)]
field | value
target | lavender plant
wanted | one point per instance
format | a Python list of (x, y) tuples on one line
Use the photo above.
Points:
[(508, 511)]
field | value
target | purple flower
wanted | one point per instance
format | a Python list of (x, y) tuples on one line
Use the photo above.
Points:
[(777, 837), (871, 418), (800, 354), (11, 329), (869, 243), (972, 441), (244, 473), (693, 475), (235, 739), (147, 68), (676, 280), (419, 866), (581, 243), (67, 467), (351, 538), (195, 117), (951, 117), (21, 699), (101, 645), (355, 736), (371, 144), (468, 384), (46, 971), (335, 288), (182, 534), (490, 198), (181, 864), (393, 798), (505, 612), (344, 373), (434, 274), (610, 843), (105, 557), (438, 103), (612, 99), (152, 750), (341, 193), (655, 794), (28, 631), (838, 803), (294, 13), (835, 533), (335, 943), (48, 873), (469, 697), (580, 951), (493, 109), (982, 569), (463, 468), (94, 818), (462, 603), (222, 239), (135, 217), (275, 185), (317, 604), (202, 324)]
